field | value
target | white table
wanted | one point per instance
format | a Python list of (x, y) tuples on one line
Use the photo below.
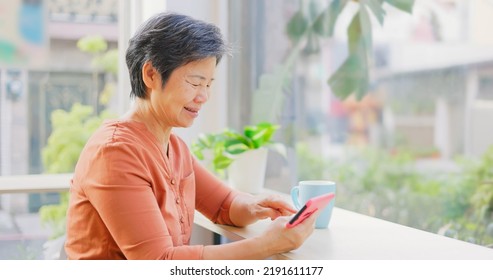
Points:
[(355, 236)]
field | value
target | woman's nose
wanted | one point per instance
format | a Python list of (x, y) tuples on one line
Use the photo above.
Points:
[(202, 94)]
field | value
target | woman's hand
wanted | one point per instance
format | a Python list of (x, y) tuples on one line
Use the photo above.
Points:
[(279, 239), (275, 240), (246, 209), (271, 207)]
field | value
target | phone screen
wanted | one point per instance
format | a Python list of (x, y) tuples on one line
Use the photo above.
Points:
[(301, 215), (309, 208)]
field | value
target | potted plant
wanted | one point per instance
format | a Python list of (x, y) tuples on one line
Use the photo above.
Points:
[(241, 157)]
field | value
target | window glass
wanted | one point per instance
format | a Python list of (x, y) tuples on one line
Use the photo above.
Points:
[(58, 71), (416, 147)]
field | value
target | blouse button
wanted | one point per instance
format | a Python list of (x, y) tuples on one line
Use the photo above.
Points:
[(177, 201), (182, 220), (172, 181)]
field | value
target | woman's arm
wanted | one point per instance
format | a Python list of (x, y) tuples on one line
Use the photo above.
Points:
[(222, 205), (276, 239), (247, 209)]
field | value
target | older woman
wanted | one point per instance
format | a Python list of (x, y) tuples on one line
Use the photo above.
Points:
[(136, 185)]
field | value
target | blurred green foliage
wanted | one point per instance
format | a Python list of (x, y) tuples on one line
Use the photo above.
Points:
[(72, 129), (307, 28), (92, 44), (353, 75), (70, 133), (53, 216), (103, 59), (388, 185)]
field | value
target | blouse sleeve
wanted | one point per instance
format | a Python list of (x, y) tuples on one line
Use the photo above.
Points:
[(119, 189), (213, 197)]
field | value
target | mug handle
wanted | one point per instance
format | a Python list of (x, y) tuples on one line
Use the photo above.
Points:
[(295, 192)]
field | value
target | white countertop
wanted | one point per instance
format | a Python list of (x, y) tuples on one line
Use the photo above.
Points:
[(354, 236)]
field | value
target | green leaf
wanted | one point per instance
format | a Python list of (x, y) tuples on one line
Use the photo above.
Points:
[(249, 130), (324, 24), (354, 33), (365, 34), (312, 44), (197, 151), (350, 77), (256, 135), (297, 26), (235, 147), (260, 134), (205, 140), (233, 135), (404, 5), (271, 129), (222, 162), (376, 8), (343, 81)]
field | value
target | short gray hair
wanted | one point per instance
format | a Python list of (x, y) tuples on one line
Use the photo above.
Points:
[(171, 40)]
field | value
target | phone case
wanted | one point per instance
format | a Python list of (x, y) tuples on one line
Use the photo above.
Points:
[(312, 205)]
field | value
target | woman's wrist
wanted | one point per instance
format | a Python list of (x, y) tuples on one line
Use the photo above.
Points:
[(242, 211), (265, 245)]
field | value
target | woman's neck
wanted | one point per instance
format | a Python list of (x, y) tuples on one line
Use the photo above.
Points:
[(142, 112)]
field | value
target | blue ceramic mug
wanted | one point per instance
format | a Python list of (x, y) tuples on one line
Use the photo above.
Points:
[(305, 190)]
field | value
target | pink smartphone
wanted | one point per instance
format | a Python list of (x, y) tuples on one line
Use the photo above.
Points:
[(312, 205)]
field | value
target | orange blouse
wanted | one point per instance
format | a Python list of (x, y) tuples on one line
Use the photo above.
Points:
[(129, 200)]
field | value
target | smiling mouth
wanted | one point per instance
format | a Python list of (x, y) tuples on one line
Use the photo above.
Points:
[(193, 110)]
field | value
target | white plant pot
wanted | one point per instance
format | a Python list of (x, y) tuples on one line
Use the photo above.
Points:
[(247, 172)]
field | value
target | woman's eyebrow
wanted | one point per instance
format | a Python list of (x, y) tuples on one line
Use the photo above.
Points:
[(198, 76)]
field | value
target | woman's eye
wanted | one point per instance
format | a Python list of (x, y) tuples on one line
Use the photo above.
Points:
[(195, 85)]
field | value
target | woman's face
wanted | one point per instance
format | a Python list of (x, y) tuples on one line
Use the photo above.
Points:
[(187, 89)]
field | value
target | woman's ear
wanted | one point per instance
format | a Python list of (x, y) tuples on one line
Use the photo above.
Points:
[(150, 75)]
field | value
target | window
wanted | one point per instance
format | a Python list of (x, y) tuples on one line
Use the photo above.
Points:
[(414, 150), (43, 70)]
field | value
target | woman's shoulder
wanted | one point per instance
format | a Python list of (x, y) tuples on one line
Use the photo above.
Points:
[(122, 132)]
